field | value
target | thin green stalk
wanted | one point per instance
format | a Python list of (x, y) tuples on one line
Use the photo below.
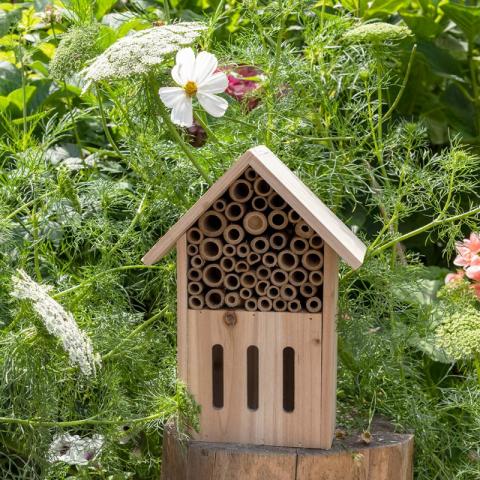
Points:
[(166, 10), (36, 256), (26, 205), (103, 120)]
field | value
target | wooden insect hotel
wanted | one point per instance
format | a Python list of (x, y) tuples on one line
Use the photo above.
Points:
[(257, 275)]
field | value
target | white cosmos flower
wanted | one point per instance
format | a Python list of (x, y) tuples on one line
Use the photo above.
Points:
[(195, 77)]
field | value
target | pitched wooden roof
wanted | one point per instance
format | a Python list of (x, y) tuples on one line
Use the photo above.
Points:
[(333, 231)]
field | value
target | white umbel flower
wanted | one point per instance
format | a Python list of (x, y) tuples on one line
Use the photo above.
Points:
[(195, 77), (57, 321), (74, 450), (138, 53)]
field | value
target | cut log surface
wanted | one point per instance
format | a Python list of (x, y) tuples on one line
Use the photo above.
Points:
[(388, 457)]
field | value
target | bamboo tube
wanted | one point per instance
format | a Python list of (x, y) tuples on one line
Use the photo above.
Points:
[(264, 304), (211, 249), (229, 250), (277, 219), (299, 245), (250, 174), (245, 293), (263, 272), (251, 304), (275, 201), (273, 292), (194, 274), (215, 298), (227, 264), (197, 261), (316, 278), (219, 205), (287, 260), (288, 292), (259, 203), (213, 275), (195, 288), (243, 250), (261, 187), (194, 235), (312, 260), (278, 240), (269, 259), (298, 276), (279, 277), (255, 223), (234, 234), (294, 306), (293, 216), (234, 211), (232, 281), (316, 242), (240, 191), (303, 230), (279, 305), (196, 302), (260, 244), (232, 299), (314, 305), (242, 266), (308, 290), (212, 223), (261, 287), (192, 249), (248, 279), (253, 258)]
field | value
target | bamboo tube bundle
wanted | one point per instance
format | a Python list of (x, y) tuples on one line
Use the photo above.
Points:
[(293, 216), (212, 223), (303, 230), (213, 275), (314, 305), (259, 203), (263, 272), (240, 191), (194, 235), (260, 244), (269, 259), (261, 287), (298, 276), (316, 242), (278, 240), (227, 264), (234, 211), (232, 299), (250, 174), (316, 278), (279, 305), (211, 249), (294, 306), (215, 299), (251, 304), (288, 292), (192, 249), (279, 277), (234, 234), (243, 249), (308, 290), (253, 258), (278, 219), (312, 260), (197, 261), (242, 266), (255, 223), (219, 205), (261, 187), (264, 304), (232, 281), (248, 279), (229, 250), (194, 274), (275, 201), (299, 245), (246, 293), (273, 292), (196, 302), (287, 260), (195, 288)]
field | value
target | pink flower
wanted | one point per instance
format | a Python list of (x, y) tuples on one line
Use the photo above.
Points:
[(454, 277), (242, 82), (473, 272), (467, 250)]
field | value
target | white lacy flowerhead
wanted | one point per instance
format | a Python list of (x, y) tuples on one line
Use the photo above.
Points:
[(57, 321), (195, 77), (74, 450), (137, 53)]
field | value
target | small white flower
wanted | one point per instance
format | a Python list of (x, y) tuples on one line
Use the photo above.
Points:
[(74, 450), (195, 77)]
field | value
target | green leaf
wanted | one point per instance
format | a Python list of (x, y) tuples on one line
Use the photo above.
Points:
[(467, 19), (7, 19), (16, 97), (422, 26), (102, 7), (384, 8), (10, 78)]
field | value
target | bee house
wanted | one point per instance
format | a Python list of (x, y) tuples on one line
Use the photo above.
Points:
[(257, 276)]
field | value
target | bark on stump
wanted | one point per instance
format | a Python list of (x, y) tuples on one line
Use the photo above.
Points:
[(388, 457)]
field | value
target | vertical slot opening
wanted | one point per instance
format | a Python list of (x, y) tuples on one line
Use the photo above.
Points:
[(217, 376), (288, 379), (252, 377)]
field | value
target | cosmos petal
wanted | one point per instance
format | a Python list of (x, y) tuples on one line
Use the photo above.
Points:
[(205, 65), (216, 83), (183, 70), (171, 95), (182, 112), (214, 105)]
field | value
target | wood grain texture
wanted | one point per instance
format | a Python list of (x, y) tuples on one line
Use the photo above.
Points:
[(389, 457), (271, 332), (182, 306)]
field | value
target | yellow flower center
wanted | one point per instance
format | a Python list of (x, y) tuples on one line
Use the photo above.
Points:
[(190, 88)]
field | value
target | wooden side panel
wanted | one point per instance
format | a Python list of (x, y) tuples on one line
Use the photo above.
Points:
[(329, 346), (182, 305), (271, 332)]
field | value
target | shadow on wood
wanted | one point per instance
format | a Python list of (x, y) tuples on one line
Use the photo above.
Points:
[(388, 457)]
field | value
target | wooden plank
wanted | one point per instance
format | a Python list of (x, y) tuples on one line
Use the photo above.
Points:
[(329, 346), (309, 206), (270, 424), (166, 243), (182, 306)]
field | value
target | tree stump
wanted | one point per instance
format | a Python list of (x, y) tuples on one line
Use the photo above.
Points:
[(389, 456)]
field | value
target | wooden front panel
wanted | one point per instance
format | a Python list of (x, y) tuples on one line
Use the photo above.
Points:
[(271, 332)]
